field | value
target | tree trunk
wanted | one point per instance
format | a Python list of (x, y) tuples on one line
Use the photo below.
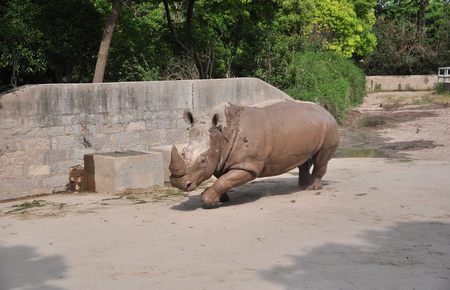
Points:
[(190, 45), (103, 51), (14, 67)]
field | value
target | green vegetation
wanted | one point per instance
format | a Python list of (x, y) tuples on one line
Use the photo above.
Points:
[(57, 41), (441, 90), (413, 37), (27, 205), (328, 79), (306, 47)]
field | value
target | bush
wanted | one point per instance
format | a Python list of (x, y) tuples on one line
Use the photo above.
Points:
[(328, 79), (441, 90)]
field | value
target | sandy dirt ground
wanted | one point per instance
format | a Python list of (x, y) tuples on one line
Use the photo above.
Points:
[(378, 223)]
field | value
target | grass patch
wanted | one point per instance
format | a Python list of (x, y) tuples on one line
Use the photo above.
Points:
[(155, 193), (422, 101), (435, 99), (440, 99), (390, 102), (205, 184), (26, 205), (440, 89)]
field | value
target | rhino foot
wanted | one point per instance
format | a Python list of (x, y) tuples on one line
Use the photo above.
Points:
[(224, 197), (213, 201), (316, 185), (210, 198)]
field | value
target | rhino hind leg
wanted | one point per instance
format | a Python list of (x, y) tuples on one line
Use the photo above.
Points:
[(304, 175), (320, 162)]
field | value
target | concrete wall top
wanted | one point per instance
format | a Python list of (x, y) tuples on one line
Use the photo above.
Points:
[(45, 100)]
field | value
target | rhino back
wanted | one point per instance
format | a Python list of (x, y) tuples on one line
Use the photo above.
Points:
[(274, 138)]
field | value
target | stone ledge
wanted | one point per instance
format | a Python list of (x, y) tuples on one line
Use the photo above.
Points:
[(116, 171)]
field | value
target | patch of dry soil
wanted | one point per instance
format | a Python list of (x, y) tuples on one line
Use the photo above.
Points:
[(412, 125)]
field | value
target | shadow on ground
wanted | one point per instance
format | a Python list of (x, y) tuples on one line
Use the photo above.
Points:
[(406, 256), (249, 192), (21, 267)]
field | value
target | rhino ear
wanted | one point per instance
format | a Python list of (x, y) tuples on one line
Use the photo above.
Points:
[(217, 120), (188, 117)]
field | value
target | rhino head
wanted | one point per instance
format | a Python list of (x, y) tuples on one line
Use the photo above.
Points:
[(198, 161)]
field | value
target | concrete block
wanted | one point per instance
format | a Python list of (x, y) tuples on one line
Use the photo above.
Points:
[(55, 155), (57, 182), (7, 143), (125, 138), (37, 170), (165, 150), (63, 142), (112, 128), (11, 172), (172, 136), (97, 141), (237, 91), (5, 159), (35, 143), (62, 167), (264, 92), (74, 129), (116, 171), (56, 131), (70, 119), (34, 132), (169, 94), (132, 126), (150, 137), (25, 158), (24, 186)]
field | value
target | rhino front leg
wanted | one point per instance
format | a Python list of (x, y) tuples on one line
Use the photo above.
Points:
[(232, 178), (224, 197)]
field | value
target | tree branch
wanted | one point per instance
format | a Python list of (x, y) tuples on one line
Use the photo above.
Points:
[(189, 23), (172, 29)]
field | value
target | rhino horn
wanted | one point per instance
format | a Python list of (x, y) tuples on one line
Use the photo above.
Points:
[(177, 166)]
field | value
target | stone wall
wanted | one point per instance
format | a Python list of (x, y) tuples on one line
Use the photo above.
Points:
[(46, 129), (401, 83)]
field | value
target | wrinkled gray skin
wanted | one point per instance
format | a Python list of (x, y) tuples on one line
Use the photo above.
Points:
[(236, 144)]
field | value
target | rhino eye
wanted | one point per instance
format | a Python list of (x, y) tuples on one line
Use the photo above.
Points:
[(203, 161)]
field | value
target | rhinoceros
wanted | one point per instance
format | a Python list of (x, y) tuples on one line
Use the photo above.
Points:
[(237, 144)]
